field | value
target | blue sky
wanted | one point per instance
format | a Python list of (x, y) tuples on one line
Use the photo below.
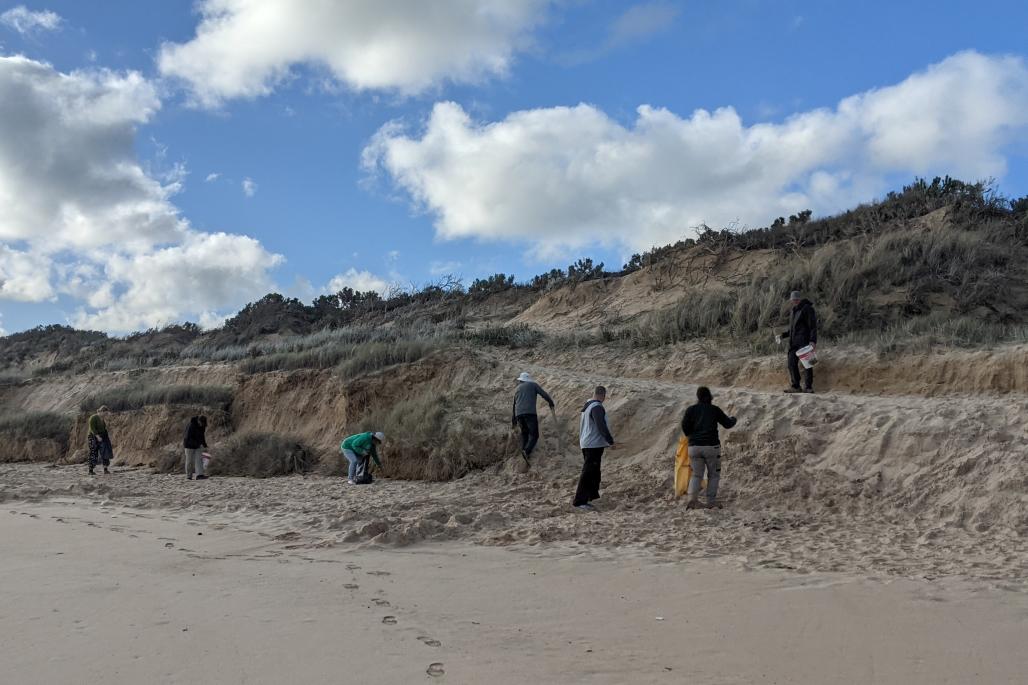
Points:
[(366, 172)]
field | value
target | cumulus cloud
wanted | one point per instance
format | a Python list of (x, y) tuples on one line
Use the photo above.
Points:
[(23, 20), (244, 48), (565, 177), (249, 187), (81, 217), (362, 281), (212, 177)]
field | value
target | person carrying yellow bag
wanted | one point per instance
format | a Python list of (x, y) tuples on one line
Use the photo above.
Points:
[(683, 470), (700, 426)]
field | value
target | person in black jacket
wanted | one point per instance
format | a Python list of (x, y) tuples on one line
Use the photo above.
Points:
[(196, 438), (700, 426), (802, 332)]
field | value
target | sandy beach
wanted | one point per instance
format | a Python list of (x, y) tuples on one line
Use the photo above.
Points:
[(96, 591)]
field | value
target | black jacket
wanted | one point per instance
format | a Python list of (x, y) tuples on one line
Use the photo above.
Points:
[(802, 325), (700, 424), (195, 435)]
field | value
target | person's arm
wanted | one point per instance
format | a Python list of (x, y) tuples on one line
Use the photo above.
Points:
[(514, 413), (374, 455), (203, 437), (599, 416), (542, 393), (688, 422), (725, 420)]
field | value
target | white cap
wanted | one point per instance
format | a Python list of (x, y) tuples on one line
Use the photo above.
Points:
[(524, 377), (380, 436)]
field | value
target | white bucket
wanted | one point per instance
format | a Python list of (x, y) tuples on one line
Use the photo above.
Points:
[(206, 458), (807, 356)]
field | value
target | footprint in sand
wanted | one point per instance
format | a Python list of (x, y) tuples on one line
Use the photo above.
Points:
[(169, 545), (435, 670), (351, 586), (380, 602), (379, 573), (430, 642), (353, 567), (389, 620)]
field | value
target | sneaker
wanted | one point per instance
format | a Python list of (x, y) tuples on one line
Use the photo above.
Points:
[(692, 504), (586, 507), (524, 455), (793, 391), (715, 505), (107, 470), (808, 390), (92, 472), (350, 482), (201, 477)]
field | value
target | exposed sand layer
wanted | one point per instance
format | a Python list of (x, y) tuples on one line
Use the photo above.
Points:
[(101, 593)]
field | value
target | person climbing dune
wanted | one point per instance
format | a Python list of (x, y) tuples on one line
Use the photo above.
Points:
[(524, 413), (594, 437), (700, 425), (802, 332)]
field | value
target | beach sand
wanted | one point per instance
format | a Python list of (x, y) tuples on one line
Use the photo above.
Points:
[(95, 591)]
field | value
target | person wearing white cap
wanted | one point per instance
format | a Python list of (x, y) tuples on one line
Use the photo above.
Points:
[(524, 413), (802, 332), (357, 449)]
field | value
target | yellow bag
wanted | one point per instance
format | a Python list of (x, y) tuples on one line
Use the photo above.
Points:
[(683, 469)]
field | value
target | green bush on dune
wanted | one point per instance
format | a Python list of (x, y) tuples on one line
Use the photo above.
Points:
[(131, 397)]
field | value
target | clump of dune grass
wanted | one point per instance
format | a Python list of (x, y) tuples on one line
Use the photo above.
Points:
[(131, 397)]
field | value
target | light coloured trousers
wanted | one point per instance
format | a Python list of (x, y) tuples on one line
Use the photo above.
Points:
[(708, 460), (194, 460)]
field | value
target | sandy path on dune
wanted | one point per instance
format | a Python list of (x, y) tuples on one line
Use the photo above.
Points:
[(104, 594)]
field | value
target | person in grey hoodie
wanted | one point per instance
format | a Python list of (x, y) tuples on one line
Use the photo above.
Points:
[(524, 413), (593, 439)]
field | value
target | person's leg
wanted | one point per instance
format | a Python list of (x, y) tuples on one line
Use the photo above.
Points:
[(94, 450), (596, 475), (198, 463), (351, 457), (583, 492), (808, 378), (525, 432), (794, 370), (533, 433), (713, 460), (698, 465), (189, 462)]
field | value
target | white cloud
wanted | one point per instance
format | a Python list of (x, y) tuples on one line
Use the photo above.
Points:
[(244, 48), (249, 187), (3, 331), (206, 273), (23, 20), (641, 21), (362, 281), (565, 177), (212, 177), (81, 217)]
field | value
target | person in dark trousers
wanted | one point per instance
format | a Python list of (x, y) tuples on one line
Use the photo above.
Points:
[(594, 437), (524, 414), (700, 425), (196, 438), (802, 332), (99, 442)]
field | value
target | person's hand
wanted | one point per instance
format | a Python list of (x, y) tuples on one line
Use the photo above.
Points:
[(614, 446)]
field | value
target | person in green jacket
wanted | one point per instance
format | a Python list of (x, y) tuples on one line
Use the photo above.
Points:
[(359, 447), (99, 442)]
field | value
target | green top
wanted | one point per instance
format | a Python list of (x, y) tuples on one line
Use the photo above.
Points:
[(361, 444), (97, 425)]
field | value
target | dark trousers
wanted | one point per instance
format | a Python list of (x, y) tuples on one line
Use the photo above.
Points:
[(529, 432), (794, 372), (589, 481)]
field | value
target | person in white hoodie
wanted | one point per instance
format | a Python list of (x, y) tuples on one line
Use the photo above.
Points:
[(594, 438)]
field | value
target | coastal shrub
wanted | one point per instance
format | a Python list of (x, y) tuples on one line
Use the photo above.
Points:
[(514, 336), (429, 438), (368, 358), (260, 455), (130, 397), (37, 425)]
